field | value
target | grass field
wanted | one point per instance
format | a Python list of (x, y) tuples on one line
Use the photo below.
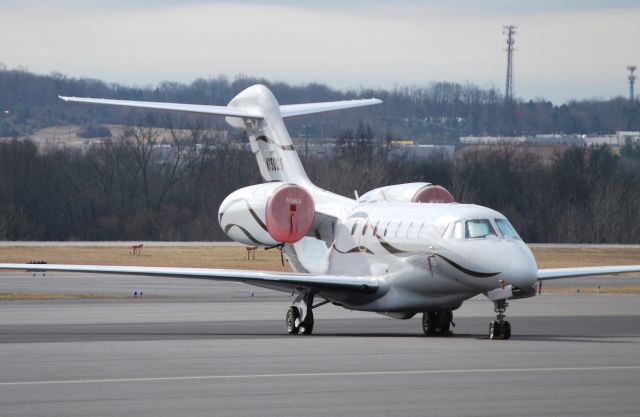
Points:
[(236, 257), (560, 256), (179, 256)]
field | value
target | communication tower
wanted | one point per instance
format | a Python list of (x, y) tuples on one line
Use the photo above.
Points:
[(632, 80), (510, 31)]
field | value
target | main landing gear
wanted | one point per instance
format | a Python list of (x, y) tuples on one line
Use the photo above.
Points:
[(299, 317), (500, 328), (438, 323), (295, 325)]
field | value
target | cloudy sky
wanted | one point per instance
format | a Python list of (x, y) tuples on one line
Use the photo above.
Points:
[(565, 49)]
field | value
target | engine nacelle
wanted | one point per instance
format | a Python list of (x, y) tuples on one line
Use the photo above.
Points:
[(415, 192), (267, 214)]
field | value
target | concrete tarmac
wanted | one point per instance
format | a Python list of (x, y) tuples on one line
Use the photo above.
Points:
[(217, 349)]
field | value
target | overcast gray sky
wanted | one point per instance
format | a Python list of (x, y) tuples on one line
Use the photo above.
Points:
[(565, 49)]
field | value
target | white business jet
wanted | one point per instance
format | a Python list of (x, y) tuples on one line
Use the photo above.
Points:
[(398, 250)]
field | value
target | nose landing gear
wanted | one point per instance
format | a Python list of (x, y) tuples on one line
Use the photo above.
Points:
[(500, 328)]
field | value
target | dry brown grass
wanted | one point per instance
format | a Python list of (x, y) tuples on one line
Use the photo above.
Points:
[(562, 257), (178, 256)]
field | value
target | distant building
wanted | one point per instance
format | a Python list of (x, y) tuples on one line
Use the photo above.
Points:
[(315, 148), (491, 140), (623, 136), (615, 139), (401, 149), (398, 149)]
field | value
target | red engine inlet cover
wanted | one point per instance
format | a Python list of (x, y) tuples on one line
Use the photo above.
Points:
[(432, 194), (290, 213)]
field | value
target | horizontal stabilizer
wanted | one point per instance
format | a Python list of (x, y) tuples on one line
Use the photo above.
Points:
[(189, 108), (290, 110)]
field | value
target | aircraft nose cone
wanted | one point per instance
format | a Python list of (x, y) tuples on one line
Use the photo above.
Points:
[(520, 269)]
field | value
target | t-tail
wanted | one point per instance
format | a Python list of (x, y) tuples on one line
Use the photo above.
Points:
[(256, 112)]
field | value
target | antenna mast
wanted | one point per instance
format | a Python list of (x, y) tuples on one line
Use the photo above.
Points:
[(632, 80), (510, 31)]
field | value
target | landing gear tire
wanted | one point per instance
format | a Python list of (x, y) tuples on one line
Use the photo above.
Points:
[(292, 316), (506, 331), (300, 313), (500, 330), (428, 324), (437, 323), (307, 326)]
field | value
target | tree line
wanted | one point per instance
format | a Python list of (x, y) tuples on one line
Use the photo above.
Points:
[(434, 112), (133, 187)]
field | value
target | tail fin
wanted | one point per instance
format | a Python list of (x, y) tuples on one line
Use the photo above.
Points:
[(255, 111)]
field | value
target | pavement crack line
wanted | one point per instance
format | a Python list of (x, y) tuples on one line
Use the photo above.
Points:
[(319, 374)]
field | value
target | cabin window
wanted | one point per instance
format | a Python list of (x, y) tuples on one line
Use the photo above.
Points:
[(364, 229), (355, 226), (506, 229), (397, 229), (375, 229), (386, 229), (420, 230), (409, 229), (478, 229)]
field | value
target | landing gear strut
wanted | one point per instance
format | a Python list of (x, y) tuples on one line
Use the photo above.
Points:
[(299, 317), (500, 328), (306, 327), (437, 323)]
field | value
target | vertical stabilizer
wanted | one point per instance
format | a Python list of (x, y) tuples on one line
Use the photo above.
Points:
[(270, 141)]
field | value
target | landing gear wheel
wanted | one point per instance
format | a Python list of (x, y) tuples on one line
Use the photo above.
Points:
[(500, 330), (494, 330), (437, 323), (506, 330), (307, 325), (428, 324), (292, 316)]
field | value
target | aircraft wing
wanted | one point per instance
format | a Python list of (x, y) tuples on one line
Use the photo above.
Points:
[(189, 108), (557, 273), (285, 281)]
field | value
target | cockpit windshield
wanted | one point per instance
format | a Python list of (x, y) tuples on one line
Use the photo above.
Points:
[(472, 229), (478, 229), (506, 229)]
